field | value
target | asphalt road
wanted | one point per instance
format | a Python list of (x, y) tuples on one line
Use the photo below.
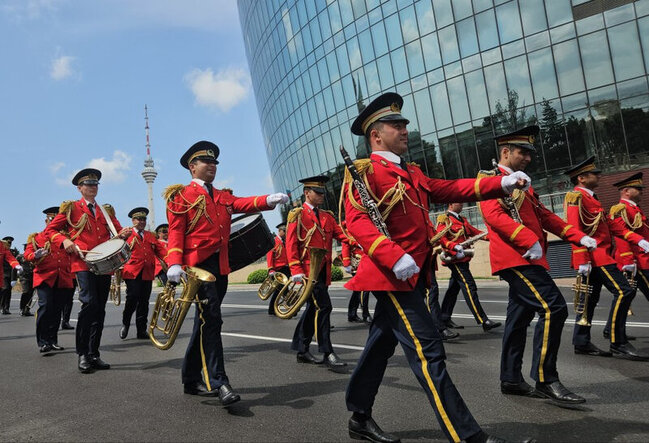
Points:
[(45, 398)]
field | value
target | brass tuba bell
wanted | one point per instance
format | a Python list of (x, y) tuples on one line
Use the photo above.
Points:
[(293, 296), (271, 284), (169, 312), (116, 287), (583, 291)]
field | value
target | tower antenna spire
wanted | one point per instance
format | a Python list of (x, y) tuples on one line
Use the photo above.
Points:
[(149, 173)]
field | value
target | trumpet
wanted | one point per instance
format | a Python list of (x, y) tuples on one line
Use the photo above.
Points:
[(633, 283), (171, 311), (271, 284), (291, 298), (583, 291), (116, 287), (446, 257)]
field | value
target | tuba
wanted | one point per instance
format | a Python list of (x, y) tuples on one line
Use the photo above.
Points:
[(633, 283), (271, 284), (292, 297), (582, 291), (170, 311), (116, 287)]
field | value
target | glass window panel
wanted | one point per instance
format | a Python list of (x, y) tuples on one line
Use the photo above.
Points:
[(641, 7), (542, 72), (425, 16), (418, 83), (408, 24), (573, 102), (431, 151), (443, 12), (518, 79), (619, 15), (323, 72), (471, 63), (394, 38), (468, 37), (635, 113), (625, 50), (643, 24), (372, 78), (633, 87), (466, 147), (375, 15), (431, 52), (495, 79), (385, 72), (487, 31), (538, 41), (354, 54), (358, 6), (334, 17), (509, 23), (533, 16), (553, 135), (563, 32), (453, 69), (380, 39), (450, 156), (399, 65), (457, 97), (440, 105), (568, 67), (476, 92), (365, 43), (315, 33), (597, 63), (558, 11), (598, 96), (611, 146), (388, 8), (481, 5), (590, 24), (513, 49), (448, 44), (404, 88), (343, 61), (462, 9), (415, 58), (435, 76), (346, 12), (484, 139), (491, 56)]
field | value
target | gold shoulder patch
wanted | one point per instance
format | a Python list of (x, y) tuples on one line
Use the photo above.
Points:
[(109, 208), (31, 237), (363, 166), (617, 210), (293, 215), (228, 190), (171, 191), (486, 173), (414, 164), (442, 218), (573, 198), (66, 207)]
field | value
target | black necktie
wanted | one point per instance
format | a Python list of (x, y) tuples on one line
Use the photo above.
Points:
[(404, 165), (595, 197), (140, 234), (92, 209), (209, 190), (316, 211)]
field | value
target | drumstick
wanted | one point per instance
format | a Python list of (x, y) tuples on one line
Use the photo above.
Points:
[(89, 252)]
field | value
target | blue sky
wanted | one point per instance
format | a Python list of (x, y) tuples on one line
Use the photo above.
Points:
[(75, 78)]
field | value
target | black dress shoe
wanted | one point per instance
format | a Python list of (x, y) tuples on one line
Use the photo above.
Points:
[(354, 319), (451, 324), (46, 348), (627, 352), (26, 313), (199, 388), (522, 389), (6, 312), (488, 325), (591, 349), (142, 336), (123, 331), (85, 367), (447, 334), (307, 357), (558, 393), (333, 361), (369, 430), (66, 325), (57, 347), (98, 363), (227, 395)]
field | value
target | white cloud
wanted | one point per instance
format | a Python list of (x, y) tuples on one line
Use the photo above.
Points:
[(113, 170), (62, 68), (56, 167), (21, 10), (224, 183), (223, 90)]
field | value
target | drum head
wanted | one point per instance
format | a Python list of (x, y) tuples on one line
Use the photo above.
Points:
[(250, 240), (240, 224), (105, 249)]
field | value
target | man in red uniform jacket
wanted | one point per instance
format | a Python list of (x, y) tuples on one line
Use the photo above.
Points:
[(391, 269), (517, 247), (80, 226), (138, 273), (312, 227), (162, 233), (584, 210), (277, 261), (6, 257), (350, 249), (53, 282), (459, 230), (199, 231)]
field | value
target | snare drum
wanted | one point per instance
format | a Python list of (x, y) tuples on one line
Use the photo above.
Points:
[(108, 257), (250, 240)]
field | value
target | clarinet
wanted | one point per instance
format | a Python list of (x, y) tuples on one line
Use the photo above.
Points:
[(370, 205), (508, 201)]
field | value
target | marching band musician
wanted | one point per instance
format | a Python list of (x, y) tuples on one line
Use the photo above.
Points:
[(53, 282), (517, 247), (78, 227), (350, 249), (630, 257), (277, 261), (139, 272), (432, 294), (584, 210), (199, 228), (6, 257), (162, 232), (391, 269), (461, 277), (310, 226)]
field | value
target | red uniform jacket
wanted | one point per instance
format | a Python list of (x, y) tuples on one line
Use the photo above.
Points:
[(460, 230), (52, 269), (200, 225), (509, 240), (158, 265), (304, 231), (586, 213), (276, 257), (145, 253), (86, 230), (408, 223), (630, 217), (6, 255), (351, 248)]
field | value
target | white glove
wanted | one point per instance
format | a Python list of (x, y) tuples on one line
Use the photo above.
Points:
[(297, 278), (273, 199), (535, 252), (405, 267), (510, 182), (630, 268), (589, 242), (271, 272), (584, 269), (13, 283), (460, 251), (42, 252), (19, 269), (348, 269), (644, 245), (174, 273)]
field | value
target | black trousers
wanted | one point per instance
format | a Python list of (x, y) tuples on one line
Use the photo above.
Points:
[(359, 298), (28, 291), (271, 304), (403, 317), (67, 304), (612, 279), (431, 297), (204, 356), (462, 279), (162, 276), (315, 320), (532, 291), (5, 293), (138, 292), (50, 304), (93, 294)]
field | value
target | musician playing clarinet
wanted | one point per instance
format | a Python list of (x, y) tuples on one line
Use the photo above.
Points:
[(87, 225), (199, 232)]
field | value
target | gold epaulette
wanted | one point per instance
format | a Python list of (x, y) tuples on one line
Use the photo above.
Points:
[(414, 164), (66, 207), (616, 210), (328, 212), (486, 173), (6, 243), (228, 190), (363, 166), (573, 198), (442, 219), (109, 208), (293, 215), (171, 191), (31, 237)]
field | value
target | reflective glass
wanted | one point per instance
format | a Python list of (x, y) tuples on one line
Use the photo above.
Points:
[(575, 101), (471, 63), (399, 65), (467, 35), (590, 24), (385, 72), (448, 44), (418, 83), (425, 16), (495, 79), (379, 38), (354, 53), (635, 112), (431, 52), (610, 141), (432, 153), (346, 12), (467, 151), (440, 105), (491, 56), (443, 12), (597, 62), (542, 72), (366, 48), (408, 24), (476, 92), (334, 17), (513, 49), (450, 157), (568, 67), (415, 59), (518, 79), (625, 50), (598, 96), (372, 78), (343, 61), (424, 111), (533, 16), (509, 24), (315, 33), (484, 140), (563, 32), (358, 6), (394, 37), (643, 24), (435, 76), (619, 15), (558, 12), (457, 97), (641, 7), (633, 87), (537, 41), (481, 5), (461, 9), (553, 135), (487, 31), (333, 67)]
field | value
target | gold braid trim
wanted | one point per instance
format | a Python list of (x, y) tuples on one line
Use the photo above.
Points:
[(31, 238), (109, 209), (293, 215), (587, 219), (413, 164), (483, 173), (199, 205), (442, 218), (620, 210), (66, 208), (170, 191), (457, 234), (328, 212), (572, 198)]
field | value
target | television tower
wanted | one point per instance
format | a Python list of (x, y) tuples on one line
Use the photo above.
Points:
[(149, 173)]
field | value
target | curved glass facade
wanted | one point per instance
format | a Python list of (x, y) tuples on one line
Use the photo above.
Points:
[(467, 69)]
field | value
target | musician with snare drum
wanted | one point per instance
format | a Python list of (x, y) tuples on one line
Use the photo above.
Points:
[(89, 226), (199, 234)]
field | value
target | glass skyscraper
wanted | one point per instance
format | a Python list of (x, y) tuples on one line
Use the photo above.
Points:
[(467, 69)]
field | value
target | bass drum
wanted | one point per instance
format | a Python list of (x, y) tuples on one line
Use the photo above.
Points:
[(250, 240)]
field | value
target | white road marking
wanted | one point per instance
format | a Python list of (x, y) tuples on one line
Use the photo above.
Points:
[(285, 340)]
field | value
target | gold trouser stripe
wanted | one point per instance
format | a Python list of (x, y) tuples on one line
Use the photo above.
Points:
[(315, 320), (546, 327), (646, 282), (375, 244), (565, 230), (466, 285), (428, 299), (424, 370), (617, 304), (206, 375), (476, 189), (515, 233)]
